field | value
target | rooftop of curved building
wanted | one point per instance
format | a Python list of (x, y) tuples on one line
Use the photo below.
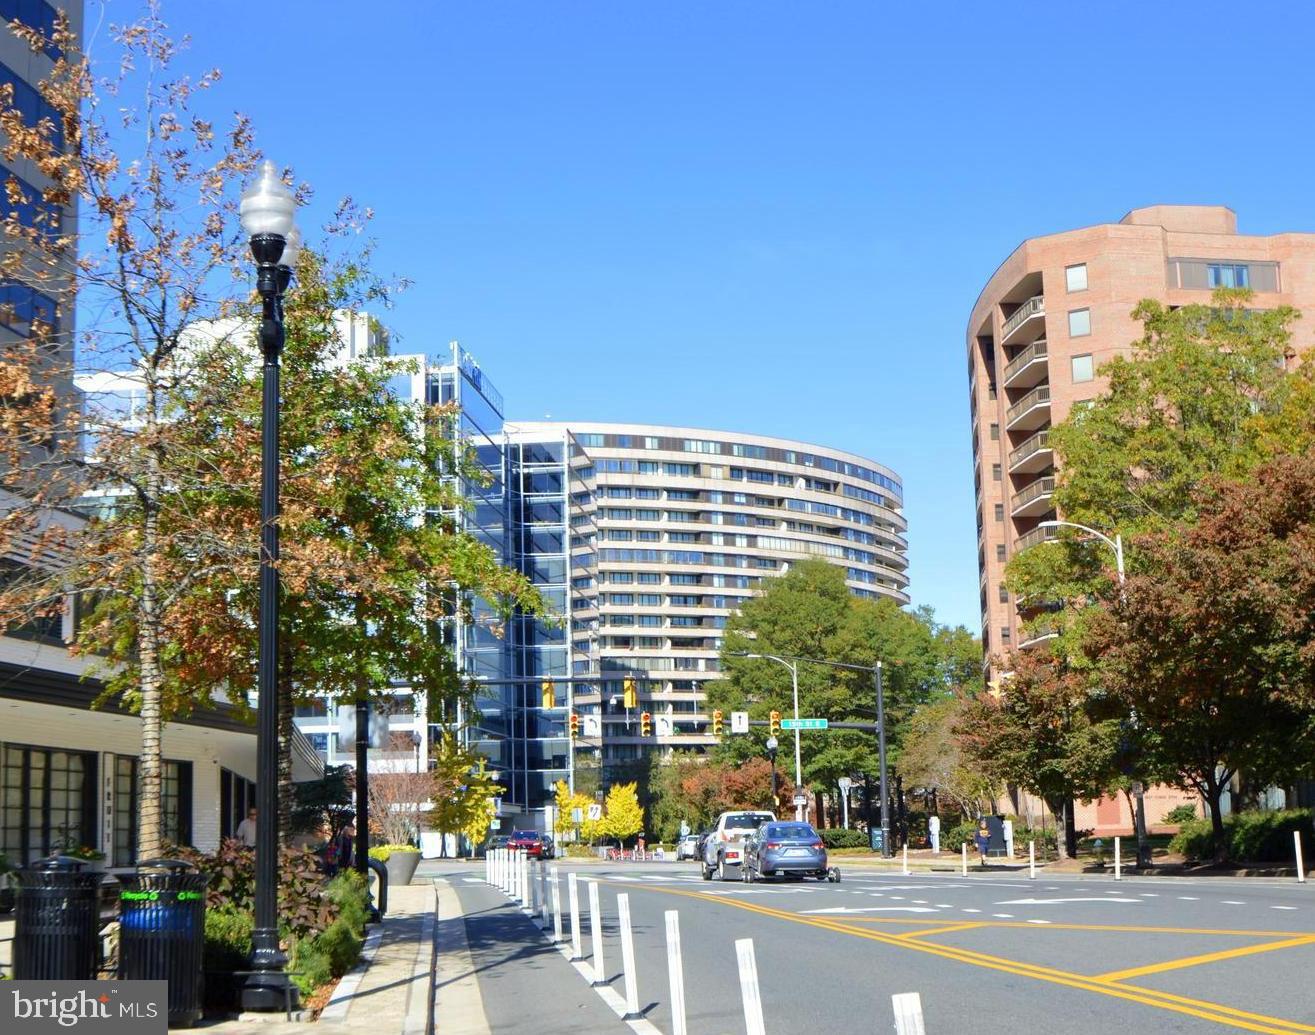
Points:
[(672, 430)]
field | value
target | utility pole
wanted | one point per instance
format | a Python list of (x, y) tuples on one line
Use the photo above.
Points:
[(886, 848)]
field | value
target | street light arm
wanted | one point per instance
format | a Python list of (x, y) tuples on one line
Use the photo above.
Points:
[(1086, 528)]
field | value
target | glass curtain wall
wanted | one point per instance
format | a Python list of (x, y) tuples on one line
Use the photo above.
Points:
[(539, 479)]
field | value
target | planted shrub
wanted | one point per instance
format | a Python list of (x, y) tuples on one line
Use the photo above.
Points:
[(227, 949), (382, 852), (1249, 836), (838, 837), (958, 835), (1181, 814)]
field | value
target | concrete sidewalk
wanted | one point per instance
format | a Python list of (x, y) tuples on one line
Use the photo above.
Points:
[(387, 993)]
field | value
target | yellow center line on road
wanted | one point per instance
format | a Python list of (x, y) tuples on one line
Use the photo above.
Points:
[(1126, 928), (1215, 1012), (1209, 957), (938, 930)]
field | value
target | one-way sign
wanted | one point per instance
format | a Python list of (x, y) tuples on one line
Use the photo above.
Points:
[(739, 722)]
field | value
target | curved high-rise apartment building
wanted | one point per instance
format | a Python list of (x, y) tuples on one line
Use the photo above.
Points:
[(1056, 310), (650, 537)]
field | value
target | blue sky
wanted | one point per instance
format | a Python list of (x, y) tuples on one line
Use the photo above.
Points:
[(769, 217)]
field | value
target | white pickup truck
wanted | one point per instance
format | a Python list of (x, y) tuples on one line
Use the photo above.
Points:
[(723, 854)]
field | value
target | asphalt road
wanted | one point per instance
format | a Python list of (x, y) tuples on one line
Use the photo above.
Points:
[(989, 951)]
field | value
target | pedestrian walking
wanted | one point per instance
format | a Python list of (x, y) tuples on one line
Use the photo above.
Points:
[(983, 839)]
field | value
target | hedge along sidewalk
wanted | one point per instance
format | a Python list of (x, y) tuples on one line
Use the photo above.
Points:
[(388, 992)]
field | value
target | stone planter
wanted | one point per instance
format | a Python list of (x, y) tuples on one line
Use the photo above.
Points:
[(401, 867)]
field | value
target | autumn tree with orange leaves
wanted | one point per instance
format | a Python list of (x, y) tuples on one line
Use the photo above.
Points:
[(165, 563)]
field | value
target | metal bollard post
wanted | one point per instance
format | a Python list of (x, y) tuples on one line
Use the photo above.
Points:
[(1301, 866), (556, 908), (573, 896), (908, 1014), (596, 934), (676, 973), (1031, 859), (1118, 860), (963, 858), (753, 1003), (628, 957)]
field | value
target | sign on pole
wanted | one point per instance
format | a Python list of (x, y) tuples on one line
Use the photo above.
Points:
[(803, 724), (739, 722), (595, 811), (845, 783), (593, 726), (577, 816), (801, 799)]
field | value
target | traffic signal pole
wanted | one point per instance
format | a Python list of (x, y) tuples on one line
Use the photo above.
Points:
[(886, 847)]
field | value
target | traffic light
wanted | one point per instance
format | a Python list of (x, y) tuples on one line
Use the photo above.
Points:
[(549, 696), (630, 695), (716, 722), (575, 725), (775, 718), (645, 724)]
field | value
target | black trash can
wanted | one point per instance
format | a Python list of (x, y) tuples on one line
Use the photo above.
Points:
[(56, 921), (162, 932)]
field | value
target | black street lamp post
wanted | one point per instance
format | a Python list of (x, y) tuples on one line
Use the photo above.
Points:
[(267, 216)]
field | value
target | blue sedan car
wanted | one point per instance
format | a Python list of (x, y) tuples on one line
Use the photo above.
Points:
[(784, 849)]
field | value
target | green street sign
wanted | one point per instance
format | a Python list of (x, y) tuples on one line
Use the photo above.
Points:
[(803, 724)]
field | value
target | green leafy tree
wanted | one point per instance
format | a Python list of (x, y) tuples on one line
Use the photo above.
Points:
[(810, 612), (1213, 645), (1194, 399), (1041, 734)]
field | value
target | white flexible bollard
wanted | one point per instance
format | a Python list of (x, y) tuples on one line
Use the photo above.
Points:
[(753, 1003), (1301, 866), (1031, 859), (573, 897), (963, 858), (906, 860), (1118, 859), (596, 934), (525, 885), (675, 973), (908, 1014), (556, 908), (628, 957), (543, 895)]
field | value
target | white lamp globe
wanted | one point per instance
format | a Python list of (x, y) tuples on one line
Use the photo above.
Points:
[(267, 205), (291, 249)]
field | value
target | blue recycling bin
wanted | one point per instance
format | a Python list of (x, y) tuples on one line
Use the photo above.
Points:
[(162, 933)]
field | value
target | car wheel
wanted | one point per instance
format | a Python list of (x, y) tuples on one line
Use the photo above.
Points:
[(707, 871)]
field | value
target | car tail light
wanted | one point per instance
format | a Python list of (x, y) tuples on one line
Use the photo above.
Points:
[(732, 855), (772, 844), (817, 845)]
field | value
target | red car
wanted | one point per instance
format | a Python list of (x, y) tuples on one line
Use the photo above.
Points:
[(528, 841)]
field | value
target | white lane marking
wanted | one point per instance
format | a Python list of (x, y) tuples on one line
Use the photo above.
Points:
[(1149, 894), (1188, 898), (943, 905), (622, 877), (1052, 901), (972, 910), (1231, 902), (1003, 916), (872, 909), (472, 880), (1040, 921), (897, 898), (919, 901), (1282, 907)]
